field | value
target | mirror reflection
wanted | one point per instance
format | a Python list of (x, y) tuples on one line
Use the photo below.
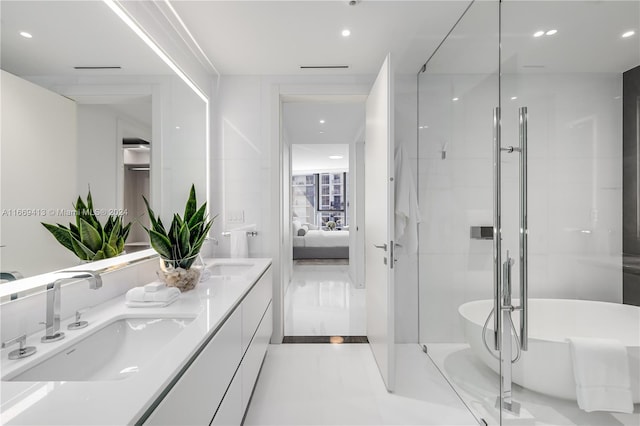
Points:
[(79, 113)]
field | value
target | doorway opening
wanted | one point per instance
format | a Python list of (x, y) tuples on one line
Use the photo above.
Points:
[(322, 296), (136, 172)]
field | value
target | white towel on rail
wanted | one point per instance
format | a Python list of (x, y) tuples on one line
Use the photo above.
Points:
[(601, 373), (240, 241), (407, 212)]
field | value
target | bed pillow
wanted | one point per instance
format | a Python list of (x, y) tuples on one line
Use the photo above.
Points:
[(303, 230), (296, 226), (311, 227)]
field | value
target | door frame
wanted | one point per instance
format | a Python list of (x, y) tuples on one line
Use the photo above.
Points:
[(280, 219)]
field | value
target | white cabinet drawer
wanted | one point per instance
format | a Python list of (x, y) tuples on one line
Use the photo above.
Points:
[(230, 411), (195, 397), (252, 360), (253, 307)]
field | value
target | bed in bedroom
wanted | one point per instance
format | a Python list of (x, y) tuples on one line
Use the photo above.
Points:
[(319, 244)]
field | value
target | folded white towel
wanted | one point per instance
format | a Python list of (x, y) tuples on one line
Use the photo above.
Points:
[(154, 286), (139, 294), (601, 373)]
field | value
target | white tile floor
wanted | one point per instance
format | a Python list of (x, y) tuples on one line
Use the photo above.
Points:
[(323, 384), (477, 385), (322, 301)]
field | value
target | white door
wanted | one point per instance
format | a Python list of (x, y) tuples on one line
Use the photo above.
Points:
[(379, 207)]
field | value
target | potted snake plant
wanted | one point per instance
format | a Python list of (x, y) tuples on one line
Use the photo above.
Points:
[(179, 246)]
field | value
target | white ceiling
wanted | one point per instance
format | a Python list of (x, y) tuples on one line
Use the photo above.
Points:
[(343, 122), (315, 158), (313, 142), (277, 37)]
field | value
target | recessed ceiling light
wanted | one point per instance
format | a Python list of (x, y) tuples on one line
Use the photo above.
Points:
[(321, 121), (177, 127), (513, 98), (346, 32), (25, 34), (321, 132), (336, 157), (455, 99), (551, 32), (628, 34), (538, 34)]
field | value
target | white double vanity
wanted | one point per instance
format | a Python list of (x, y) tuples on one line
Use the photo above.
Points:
[(193, 362)]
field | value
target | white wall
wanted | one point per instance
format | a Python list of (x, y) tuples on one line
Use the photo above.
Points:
[(97, 155), (575, 190), (38, 148)]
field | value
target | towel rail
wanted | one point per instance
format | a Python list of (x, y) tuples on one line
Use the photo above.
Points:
[(249, 234)]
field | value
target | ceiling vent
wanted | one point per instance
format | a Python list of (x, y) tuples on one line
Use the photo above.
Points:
[(97, 68), (324, 67)]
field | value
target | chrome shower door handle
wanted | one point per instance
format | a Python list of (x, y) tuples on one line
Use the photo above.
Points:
[(497, 231), (524, 255)]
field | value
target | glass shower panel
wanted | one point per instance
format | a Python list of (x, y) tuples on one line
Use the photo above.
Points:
[(458, 92), (565, 61)]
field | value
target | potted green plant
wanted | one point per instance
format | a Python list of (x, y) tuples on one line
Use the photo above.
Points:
[(88, 239), (180, 245)]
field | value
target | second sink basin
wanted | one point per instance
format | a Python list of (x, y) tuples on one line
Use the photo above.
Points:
[(230, 269), (113, 352)]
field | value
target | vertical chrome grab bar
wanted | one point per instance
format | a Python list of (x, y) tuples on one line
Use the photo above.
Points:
[(524, 284), (497, 231)]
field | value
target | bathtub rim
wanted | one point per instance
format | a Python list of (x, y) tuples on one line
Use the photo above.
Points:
[(465, 306)]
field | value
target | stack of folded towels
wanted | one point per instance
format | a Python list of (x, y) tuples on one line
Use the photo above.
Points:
[(155, 294)]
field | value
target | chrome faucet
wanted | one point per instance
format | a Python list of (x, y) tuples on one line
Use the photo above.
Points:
[(52, 320)]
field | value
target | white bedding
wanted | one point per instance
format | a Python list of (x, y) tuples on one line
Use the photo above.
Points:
[(326, 239)]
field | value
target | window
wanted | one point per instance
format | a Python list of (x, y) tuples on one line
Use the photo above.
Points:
[(319, 198)]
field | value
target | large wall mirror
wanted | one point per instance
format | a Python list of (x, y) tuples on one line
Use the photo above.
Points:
[(87, 104)]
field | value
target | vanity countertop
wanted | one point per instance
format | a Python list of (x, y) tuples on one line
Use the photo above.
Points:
[(119, 402)]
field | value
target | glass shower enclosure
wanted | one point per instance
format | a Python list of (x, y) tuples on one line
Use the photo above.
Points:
[(528, 187)]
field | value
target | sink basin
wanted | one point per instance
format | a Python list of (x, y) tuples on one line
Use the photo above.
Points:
[(114, 352), (230, 269)]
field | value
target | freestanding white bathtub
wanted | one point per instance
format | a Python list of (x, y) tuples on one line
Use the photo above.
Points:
[(546, 367)]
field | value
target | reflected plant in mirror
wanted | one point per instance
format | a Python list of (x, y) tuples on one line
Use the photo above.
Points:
[(88, 239)]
